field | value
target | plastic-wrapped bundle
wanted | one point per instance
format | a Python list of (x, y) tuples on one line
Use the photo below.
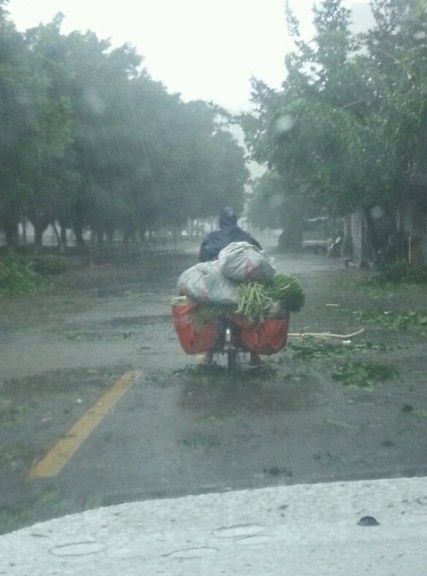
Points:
[(243, 261), (205, 284), (195, 334), (263, 337)]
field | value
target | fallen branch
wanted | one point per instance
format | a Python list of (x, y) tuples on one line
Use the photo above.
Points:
[(325, 334)]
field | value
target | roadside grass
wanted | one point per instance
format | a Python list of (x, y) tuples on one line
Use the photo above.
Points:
[(414, 320), (363, 374), (400, 272), (389, 306), (419, 413), (310, 348), (350, 364), (20, 275), (17, 277)]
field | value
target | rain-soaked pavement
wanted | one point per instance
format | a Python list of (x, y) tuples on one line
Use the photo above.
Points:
[(103, 349)]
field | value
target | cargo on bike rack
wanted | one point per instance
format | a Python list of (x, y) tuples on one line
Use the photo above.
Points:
[(237, 303), (225, 332)]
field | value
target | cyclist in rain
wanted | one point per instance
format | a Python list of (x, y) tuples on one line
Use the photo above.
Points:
[(228, 232)]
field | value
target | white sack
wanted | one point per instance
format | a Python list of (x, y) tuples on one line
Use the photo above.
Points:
[(243, 261), (205, 283)]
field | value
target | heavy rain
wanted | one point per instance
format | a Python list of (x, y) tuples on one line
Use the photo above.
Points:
[(199, 301)]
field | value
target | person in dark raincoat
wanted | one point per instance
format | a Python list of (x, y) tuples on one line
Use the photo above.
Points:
[(212, 245), (228, 232)]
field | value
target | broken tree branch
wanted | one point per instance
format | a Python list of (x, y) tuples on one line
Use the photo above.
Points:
[(325, 334)]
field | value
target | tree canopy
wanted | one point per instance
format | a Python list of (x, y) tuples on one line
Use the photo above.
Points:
[(348, 128), (88, 140)]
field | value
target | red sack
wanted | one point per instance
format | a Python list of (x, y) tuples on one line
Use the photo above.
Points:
[(266, 337), (194, 336)]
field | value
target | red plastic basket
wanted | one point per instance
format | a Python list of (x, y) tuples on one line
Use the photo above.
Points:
[(194, 337), (267, 337)]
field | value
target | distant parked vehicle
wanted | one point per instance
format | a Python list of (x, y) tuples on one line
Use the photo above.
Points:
[(331, 247), (334, 247), (315, 246)]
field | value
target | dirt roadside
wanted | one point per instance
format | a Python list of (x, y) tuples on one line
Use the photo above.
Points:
[(321, 410)]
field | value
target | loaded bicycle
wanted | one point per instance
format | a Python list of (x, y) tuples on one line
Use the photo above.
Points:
[(226, 333)]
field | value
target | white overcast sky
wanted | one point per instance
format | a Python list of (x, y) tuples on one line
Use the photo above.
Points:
[(202, 49)]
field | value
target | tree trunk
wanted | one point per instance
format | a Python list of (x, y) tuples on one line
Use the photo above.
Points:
[(128, 236), (110, 235), (77, 224), (142, 231), (291, 236), (372, 247), (11, 234), (58, 238), (63, 234), (78, 233), (39, 228)]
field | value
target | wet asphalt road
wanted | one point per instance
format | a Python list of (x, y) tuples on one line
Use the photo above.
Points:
[(179, 430)]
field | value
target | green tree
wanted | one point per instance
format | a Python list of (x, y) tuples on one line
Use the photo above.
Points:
[(15, 121), (48, 137), (273, 206), (347, 131), (96, 144), (101, 129)]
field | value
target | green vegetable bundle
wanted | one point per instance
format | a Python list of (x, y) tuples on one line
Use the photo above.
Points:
[(253, 300), (288, 291), (256, 299)]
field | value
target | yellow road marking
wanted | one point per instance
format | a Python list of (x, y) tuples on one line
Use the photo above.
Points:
[(53, 462)]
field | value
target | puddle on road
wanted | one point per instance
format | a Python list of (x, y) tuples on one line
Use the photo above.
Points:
[(192, 553), (228, 397), (239, 531), (78, 549)]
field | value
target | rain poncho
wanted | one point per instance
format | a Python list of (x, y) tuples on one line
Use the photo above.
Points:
[(228, 232)]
